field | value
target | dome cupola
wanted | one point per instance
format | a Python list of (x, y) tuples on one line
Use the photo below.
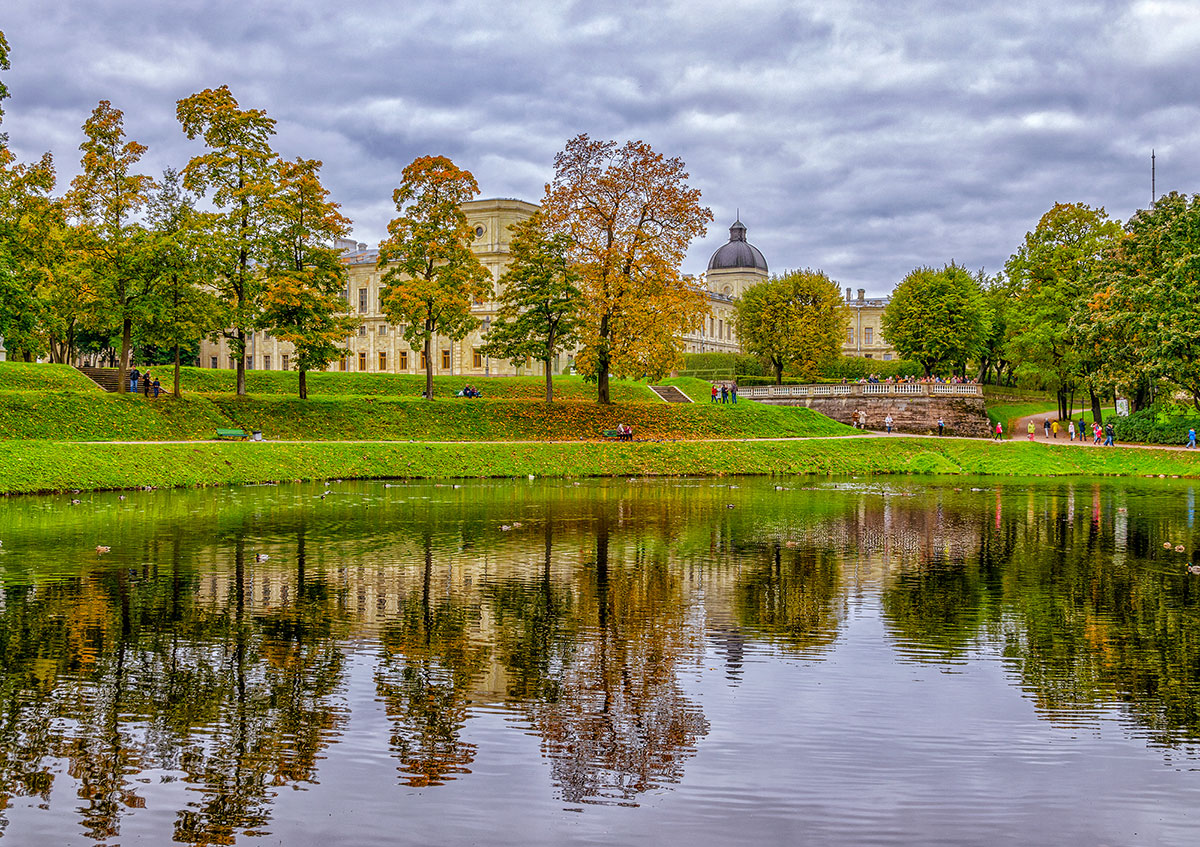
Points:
[(738, 253)]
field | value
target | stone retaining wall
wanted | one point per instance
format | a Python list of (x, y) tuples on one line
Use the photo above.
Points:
[(963, 415)]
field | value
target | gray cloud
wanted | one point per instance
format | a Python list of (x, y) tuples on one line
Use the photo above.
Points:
[(863, 137)]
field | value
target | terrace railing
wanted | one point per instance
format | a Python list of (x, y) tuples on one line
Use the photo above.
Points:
[(869, 389)]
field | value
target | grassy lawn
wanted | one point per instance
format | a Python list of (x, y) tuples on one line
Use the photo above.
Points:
[(35, 466), (1008, 413), (510, 410)]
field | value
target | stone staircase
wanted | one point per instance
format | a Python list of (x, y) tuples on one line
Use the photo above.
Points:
[(671, 394), (106, 378)]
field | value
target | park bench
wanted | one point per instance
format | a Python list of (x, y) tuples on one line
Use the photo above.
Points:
[(232, 433), (612, 433)]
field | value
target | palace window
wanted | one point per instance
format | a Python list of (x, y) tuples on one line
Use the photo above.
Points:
[(445, 360), (867, 333), (476, 359), (362, 301), (850, 335), (382, 289), (362, 330), (383, 329), (403, 363), (362, 362), (233, 362), (284, 362), (382, 361), (424, 360), (266, 363), (214, 363), (342, 364)]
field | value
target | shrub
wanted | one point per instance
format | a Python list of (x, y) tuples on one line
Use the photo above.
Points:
[(1149, 427), (726, 364), (856, 368)]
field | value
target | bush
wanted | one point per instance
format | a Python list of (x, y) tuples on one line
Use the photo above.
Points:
[(723, 363), (1150, 427), (855, 368)]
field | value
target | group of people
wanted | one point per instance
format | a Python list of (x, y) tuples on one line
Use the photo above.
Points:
[(725, 393), (149, 385), (624, 432), (858, 420), (874, 379), (469, 391), (1100, 434)]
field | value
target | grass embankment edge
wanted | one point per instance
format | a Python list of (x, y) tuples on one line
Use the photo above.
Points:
[(28, 467)]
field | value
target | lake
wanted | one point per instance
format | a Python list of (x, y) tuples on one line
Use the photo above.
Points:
[(634, 661)]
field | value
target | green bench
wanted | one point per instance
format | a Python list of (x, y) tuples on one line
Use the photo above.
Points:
[(232, 433)]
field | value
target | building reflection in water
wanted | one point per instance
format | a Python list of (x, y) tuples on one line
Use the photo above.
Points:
[(210, 648)]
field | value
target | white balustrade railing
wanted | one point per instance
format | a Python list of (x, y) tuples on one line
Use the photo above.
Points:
[(855, 389)]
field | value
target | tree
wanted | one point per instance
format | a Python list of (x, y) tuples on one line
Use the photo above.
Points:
[(238, 171), (630, 217), (796, 320), (937, 317), (539, 306), (1142, 318), (105, 199), (1051, 276), (302, 301), (432, 276), (184, 308)]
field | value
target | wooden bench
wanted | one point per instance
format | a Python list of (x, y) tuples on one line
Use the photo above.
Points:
[(233, 433)]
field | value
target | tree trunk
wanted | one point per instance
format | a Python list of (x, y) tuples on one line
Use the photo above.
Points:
[(176, 392), (778, 367), (123, 367), (602, 362), (303, 384), (428, 363), (241, 363), (549, 382), (1097, 415)]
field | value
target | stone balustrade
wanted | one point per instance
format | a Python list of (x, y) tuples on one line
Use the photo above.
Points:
[(908, 390)]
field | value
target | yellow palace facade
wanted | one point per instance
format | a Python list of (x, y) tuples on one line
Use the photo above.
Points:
[(378, 348)]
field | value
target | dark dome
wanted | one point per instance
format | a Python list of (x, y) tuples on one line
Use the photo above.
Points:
[(738, 253)]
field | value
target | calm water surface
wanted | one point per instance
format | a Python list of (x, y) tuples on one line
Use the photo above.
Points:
[(617, 662)]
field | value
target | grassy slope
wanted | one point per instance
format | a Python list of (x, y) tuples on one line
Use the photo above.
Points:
[(30, 376), (45, 466)]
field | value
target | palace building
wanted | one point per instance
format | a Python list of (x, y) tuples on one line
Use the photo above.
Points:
[(378, 348)]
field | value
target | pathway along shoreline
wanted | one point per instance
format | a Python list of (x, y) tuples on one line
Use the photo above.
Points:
[(33, 467)]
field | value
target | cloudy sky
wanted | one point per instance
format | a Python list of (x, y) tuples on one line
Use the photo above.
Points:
[(862, 137)]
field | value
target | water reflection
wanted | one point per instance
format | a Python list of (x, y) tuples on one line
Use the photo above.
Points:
[(204, 665)]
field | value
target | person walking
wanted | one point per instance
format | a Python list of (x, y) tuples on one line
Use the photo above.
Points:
[(724, 394), (714, 393), (1054, 427), (999, 431), (157, 388), (1191, 437), (133, 380), (854, 420), (146, 383), (887, 422), (941, 425), (733, 392), (1109, 432), (1071, 429), (1046, 426), (1095, 433), (1032, 428)]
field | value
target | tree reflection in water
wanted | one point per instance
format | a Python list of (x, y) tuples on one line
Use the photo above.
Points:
[(583, 624)]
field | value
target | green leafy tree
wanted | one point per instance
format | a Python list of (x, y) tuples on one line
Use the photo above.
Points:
[(1143, 317), (238, 170), (937, 317), (184, 307), (302, 302), (432, 276), (796, 321), (106, 199), (1051, 277), (539, 306)]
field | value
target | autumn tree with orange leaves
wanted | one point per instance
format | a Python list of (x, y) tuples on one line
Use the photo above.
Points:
[(630, 217), (304, 275), (432, 277)]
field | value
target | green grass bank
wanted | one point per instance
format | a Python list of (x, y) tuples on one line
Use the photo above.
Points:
[(40, 466)]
